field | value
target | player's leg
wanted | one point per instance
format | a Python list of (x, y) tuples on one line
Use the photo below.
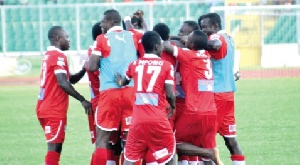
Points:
[(227, 129), (180, 107), (107, 120), (161, 142), (207, 136), (126, 101), (55, 134), (135, 148)]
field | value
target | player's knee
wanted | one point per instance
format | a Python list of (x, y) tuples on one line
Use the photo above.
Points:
[(57, 147)]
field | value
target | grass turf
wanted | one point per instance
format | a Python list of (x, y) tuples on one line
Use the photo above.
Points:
[(267, 112)]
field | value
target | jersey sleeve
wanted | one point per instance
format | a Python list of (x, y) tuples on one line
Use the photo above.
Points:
[(137, 38), (129, 74), (59, 63), (221, 53), (101, 46), (169, 73), (182, 54)]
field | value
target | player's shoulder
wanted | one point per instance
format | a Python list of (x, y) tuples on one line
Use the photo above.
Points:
[(203, 54), (215, 36), (54, 52), (101, 37)]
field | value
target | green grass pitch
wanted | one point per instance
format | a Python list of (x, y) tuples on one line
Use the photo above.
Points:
[(267, 112)]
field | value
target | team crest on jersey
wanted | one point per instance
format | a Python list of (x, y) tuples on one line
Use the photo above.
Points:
[(61, 61)]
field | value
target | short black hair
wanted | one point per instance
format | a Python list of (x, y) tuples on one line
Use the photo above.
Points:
[(113, 15), (96, 30), (199, 39), (54, 31), (136, 20), (149, 40), (163, 30), (214, 19), (192, 24)]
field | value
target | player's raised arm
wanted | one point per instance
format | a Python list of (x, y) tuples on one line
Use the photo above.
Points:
[(69, 89), (168, 47), (74, 78)]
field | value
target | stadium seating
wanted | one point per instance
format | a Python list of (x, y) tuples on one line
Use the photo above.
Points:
[(279, 34), (22, 24)]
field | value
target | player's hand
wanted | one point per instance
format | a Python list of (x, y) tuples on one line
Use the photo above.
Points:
[(87, 107), (237, 76), (119, 79), (170, 112)]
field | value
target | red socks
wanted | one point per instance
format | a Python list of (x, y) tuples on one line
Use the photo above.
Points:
[(183, 160), (52, 158), (238, 159), (100, 156), (193, 160)]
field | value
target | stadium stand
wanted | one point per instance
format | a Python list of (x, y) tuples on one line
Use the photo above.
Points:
[(279, 34)]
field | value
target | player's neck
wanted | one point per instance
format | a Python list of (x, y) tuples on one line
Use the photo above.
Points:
[(56, 45)]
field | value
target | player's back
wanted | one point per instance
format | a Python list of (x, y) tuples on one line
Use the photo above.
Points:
[(122, 52), (199, 91), (52, 100), (150, 73)]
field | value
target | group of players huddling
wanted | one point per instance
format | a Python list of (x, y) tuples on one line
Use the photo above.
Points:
[(137, 80)]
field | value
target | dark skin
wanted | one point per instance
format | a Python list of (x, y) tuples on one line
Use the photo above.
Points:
[(208, 28), (187, 148), (62, 42), (102, 140), (94, 60), (122, 81)]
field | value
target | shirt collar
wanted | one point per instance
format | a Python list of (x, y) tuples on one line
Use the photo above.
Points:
[(221, 32), (115, 28), (150, 55), (50, 48)]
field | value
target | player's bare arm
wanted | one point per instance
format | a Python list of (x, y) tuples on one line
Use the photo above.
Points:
[(127, 22), (94, 63), (213, 44), (168, 47), (170, 96), (74, 78), (121, 80), (69, 89)]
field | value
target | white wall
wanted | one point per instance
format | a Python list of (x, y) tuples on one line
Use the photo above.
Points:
[(280, 55)]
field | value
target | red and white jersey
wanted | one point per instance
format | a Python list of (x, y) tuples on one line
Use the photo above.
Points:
[(222, 51), (52, 100), (102, 45), (197, 79), (94, 81), (150, 74)]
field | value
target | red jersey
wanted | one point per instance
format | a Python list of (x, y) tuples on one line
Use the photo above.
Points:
[(94, 82), (102, 46), (52, 100), (217, 55), (150, 74), (199, 77)]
